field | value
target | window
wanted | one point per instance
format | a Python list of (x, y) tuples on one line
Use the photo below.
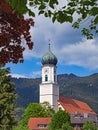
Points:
[(54, 78), (42, 125), (46, 77), (60, 108)]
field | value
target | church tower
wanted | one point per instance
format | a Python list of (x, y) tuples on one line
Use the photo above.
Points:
[(49, 90)]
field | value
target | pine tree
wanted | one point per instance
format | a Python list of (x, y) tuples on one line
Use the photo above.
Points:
[(7, 101)]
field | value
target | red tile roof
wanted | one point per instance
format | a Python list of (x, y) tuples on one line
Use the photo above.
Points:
[(34, 122), (72, 106)]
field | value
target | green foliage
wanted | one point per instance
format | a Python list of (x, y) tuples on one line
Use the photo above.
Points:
[(85, 9), (35, 110), (59, 119), (7, 101), (20, 6), (50, 111), (21, 127), (67, 126), (89, 125)]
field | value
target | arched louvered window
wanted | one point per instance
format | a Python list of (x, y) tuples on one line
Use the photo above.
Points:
[(46, 77)]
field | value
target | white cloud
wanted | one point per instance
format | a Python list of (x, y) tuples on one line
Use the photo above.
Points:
[(18, 76), (67, 43), (36, 74), (84, 53), (44, 30)]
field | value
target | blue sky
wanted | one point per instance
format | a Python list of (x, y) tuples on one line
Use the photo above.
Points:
[(75, 53)]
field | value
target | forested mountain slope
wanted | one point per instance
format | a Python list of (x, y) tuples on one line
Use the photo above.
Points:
[(81, 88)]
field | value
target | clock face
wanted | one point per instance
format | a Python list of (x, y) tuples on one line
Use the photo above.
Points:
[(46, 70)]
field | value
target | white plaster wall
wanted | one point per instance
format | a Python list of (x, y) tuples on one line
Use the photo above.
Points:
[(50, 93), (60, 106), (49, 90)]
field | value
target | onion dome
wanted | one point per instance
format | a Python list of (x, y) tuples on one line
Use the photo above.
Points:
[(49, 58)]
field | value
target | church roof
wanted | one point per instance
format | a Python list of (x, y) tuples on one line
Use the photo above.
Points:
[(39, 123), (49, 58), (73, 106)]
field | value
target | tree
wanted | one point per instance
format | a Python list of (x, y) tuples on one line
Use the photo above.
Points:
[(89, 125), (86, 10), (13, 26), (50, 111), (59, 118), (67, 126), (7, 101), (14, 32), (33, 110)]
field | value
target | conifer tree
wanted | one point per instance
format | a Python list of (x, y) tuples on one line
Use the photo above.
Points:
[(7, 101)]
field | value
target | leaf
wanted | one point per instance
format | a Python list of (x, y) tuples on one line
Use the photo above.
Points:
[(51, 4), (84, 15), (42, 6), (53, 19), (31, 13), (22, 10), (46, 14), (14, 3), (31, 3), (80, 19), (96, 20), (49, 13), (41, 12), (96, 31), (69, 19), (94, 11), (71, 4), (75, 25)]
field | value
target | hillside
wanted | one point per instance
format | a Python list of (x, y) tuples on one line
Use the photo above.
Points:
[(81, 88)]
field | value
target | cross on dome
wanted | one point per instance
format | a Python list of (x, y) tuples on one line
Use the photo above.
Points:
[(49, 44), (49, 57)]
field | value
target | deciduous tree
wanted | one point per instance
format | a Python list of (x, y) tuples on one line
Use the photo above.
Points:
[(7, 101), (33, 110), (13, 26), (86, 10), (59, 118), (67, 126), (89, 125), (14, 32), (50, 111)]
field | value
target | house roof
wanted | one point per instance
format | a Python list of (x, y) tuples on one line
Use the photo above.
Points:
[(35, 123), (73, 106)]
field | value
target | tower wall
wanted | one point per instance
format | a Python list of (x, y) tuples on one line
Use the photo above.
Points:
[(50, 71), (50, 92)]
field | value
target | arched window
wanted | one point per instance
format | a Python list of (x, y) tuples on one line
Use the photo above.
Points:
[(46, 77)]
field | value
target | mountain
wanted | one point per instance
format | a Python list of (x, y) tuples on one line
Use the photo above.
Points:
[(70, 85)]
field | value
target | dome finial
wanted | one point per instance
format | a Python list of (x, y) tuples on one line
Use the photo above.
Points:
[(49, 58), (49, 44)]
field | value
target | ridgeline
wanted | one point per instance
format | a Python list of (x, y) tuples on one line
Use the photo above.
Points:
[(80, 88)]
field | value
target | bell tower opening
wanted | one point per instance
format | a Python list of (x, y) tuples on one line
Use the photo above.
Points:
[(46, 77)]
